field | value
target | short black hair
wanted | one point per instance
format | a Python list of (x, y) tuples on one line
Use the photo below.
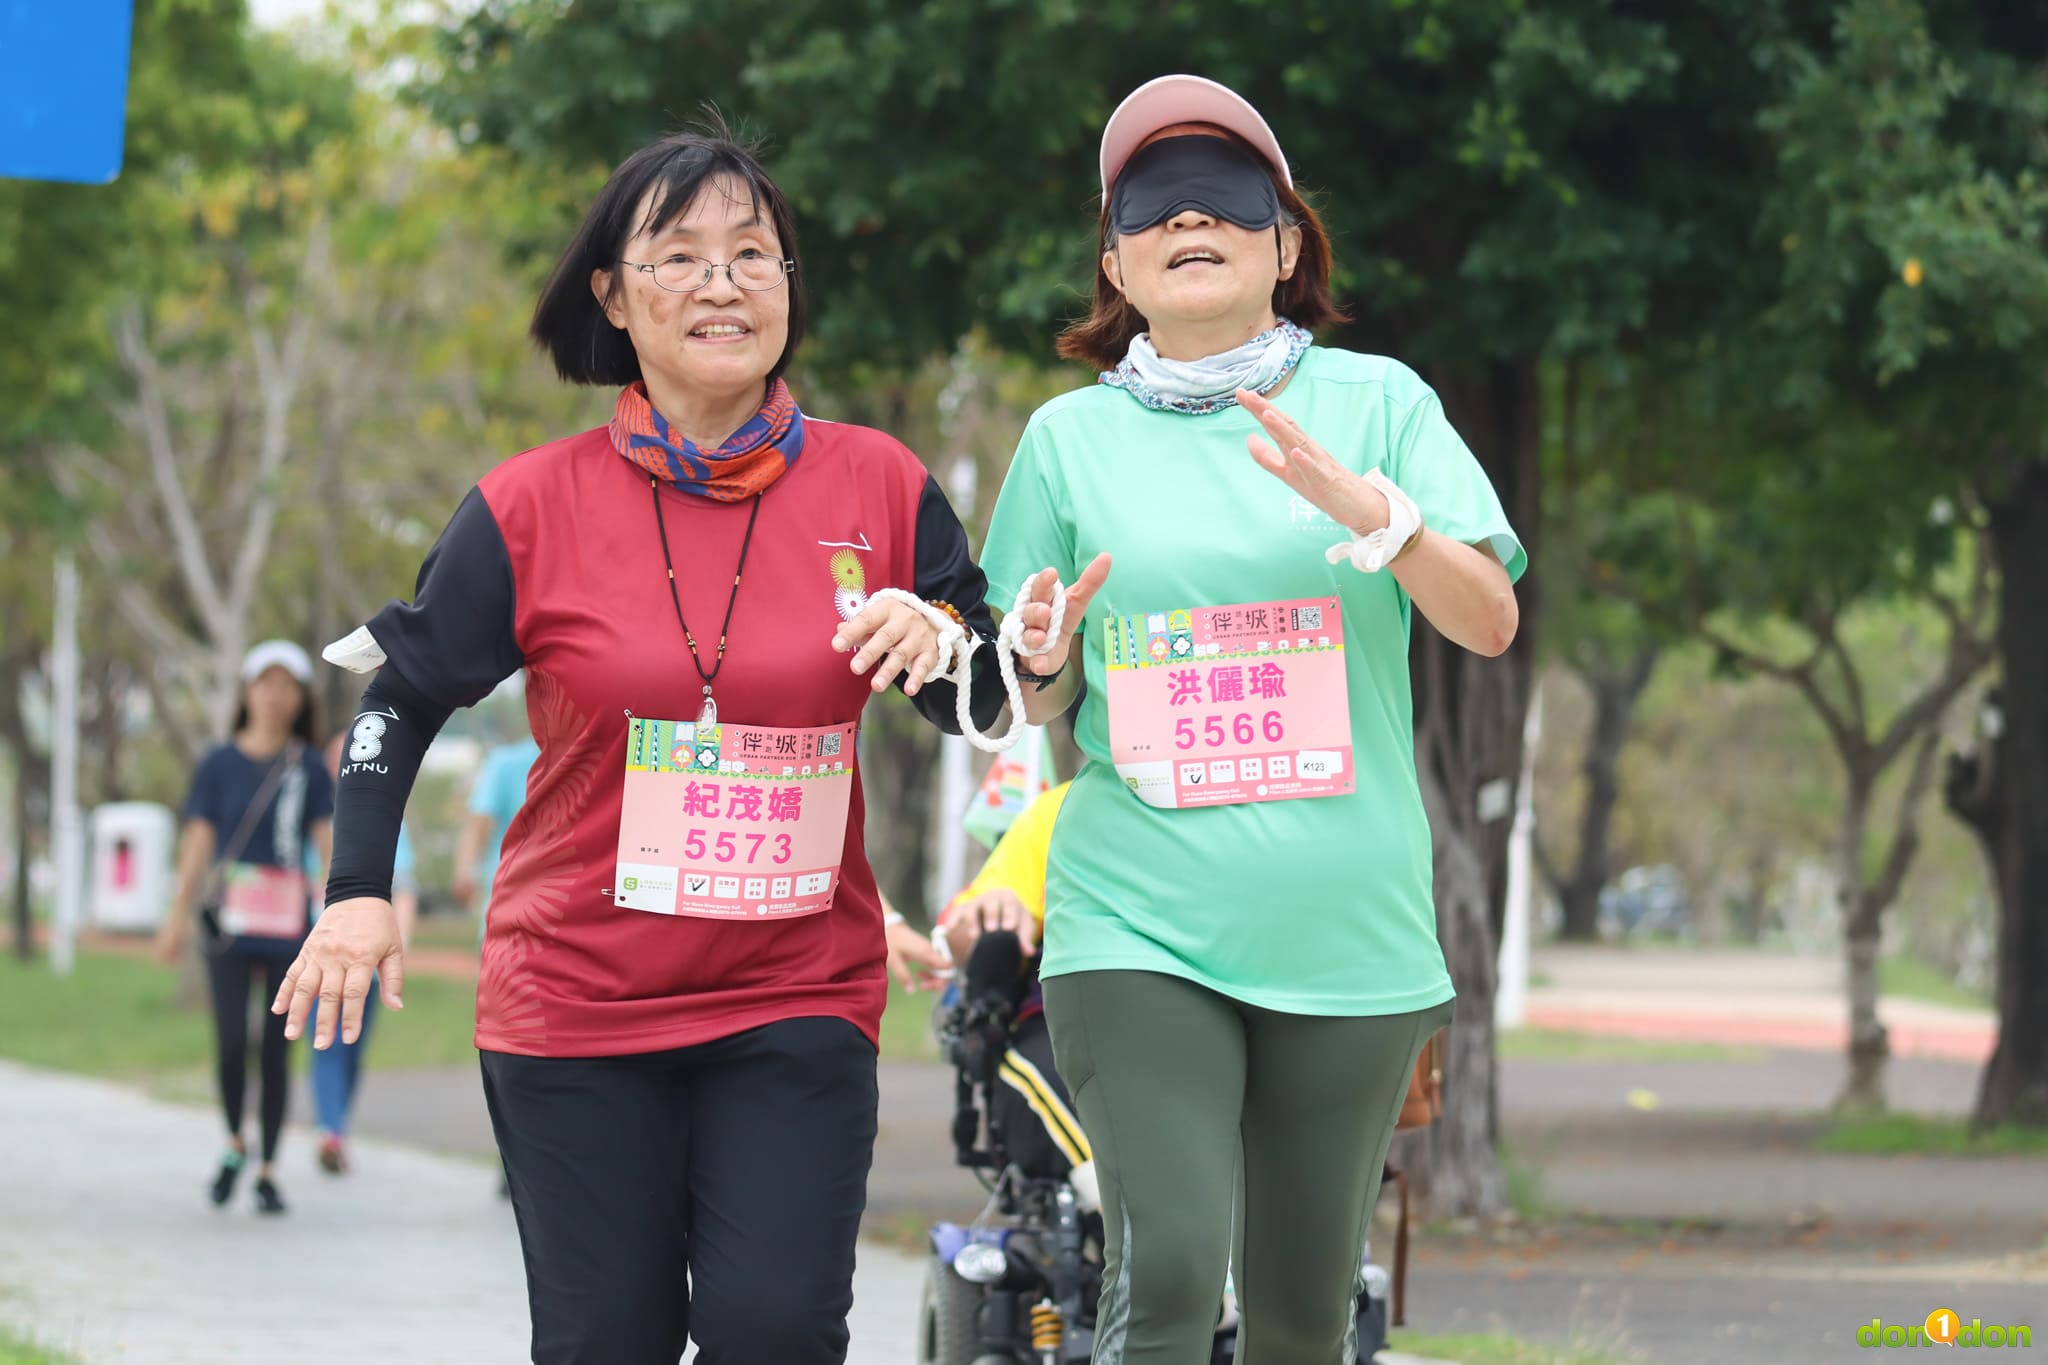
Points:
[(569, 322)]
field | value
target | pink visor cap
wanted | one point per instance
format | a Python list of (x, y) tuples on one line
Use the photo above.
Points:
[(1168, 100)]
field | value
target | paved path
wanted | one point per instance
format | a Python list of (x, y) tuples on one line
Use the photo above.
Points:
[(108, 1248), (109, 1251)]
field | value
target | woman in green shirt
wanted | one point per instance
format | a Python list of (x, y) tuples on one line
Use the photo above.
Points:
[(1240, 957)]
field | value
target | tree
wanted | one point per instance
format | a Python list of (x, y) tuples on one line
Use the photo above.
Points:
[(1913, 279), (1611, 647), (1760, 532), (1867, 882), (212, 346), (64, 250)]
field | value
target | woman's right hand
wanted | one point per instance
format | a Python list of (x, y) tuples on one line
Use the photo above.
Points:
[(354, 942), (1037, 615)]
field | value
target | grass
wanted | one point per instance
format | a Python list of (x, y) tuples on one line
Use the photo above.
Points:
[(1549, 1045), (1911, 979), (1525, 1186), (454, 932), (1495, 1350), (114, 1017), (1913, 1135), (907, 1027), (18, 1350)]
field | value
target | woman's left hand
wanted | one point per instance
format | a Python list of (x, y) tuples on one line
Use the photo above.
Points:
[(898, 637), (1344, 497)]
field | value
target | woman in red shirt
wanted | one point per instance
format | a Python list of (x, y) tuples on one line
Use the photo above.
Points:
[(683, 973)]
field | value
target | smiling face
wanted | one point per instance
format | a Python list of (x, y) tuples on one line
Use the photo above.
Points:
[(720, 340), (1197, 272)]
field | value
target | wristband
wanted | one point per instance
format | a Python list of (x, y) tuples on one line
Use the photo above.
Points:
[(1375, 550)]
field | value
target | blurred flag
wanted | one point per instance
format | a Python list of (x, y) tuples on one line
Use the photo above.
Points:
[(1028, 768)]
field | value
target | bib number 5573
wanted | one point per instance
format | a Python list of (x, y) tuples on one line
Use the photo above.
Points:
[(727, 847)]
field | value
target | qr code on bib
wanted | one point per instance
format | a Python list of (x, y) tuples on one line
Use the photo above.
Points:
[(1308, 618), (828, 746)]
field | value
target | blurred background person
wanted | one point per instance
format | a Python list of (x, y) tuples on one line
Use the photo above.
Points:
[(254, 805), (494, 798), (338, 1070)]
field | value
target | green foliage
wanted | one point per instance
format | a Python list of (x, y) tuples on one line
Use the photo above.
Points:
[(1501, 180)]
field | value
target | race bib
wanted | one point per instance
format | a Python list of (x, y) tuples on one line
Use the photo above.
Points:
[(733, 821), (263, 902), (1213, 706)]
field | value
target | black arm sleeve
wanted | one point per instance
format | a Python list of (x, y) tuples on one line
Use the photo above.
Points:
[(946, 572), (448, 648), (456, 640), (389, 738)]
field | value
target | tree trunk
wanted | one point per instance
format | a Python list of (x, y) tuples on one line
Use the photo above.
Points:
[(1752, 906), (1863, 1089), (24, 919), (31, 770), (2015, 1083), (1615, 693), (1469, 716)]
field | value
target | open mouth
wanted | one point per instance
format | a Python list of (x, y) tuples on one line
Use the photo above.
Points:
[(1194, 255), (719, 331)]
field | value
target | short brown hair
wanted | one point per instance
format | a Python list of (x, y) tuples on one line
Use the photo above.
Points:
[(1101, 338), (569, 322)]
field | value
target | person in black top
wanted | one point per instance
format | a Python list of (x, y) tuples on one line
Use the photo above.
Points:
[(255, 802)]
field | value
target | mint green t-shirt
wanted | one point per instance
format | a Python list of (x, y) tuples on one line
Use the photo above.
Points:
[(1318, 905)]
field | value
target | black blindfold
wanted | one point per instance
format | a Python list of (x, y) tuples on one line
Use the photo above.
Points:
[(1212, 174)]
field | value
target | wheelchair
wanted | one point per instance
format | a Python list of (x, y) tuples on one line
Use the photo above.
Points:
[(1019, 1285)]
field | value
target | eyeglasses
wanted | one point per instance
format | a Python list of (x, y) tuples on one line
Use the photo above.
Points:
[(687, 274)]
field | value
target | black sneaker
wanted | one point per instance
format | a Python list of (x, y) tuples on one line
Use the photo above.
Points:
[(268, 1200), (230, 1172)]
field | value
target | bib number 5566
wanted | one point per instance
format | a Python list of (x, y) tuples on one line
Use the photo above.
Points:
[(1215, 731)]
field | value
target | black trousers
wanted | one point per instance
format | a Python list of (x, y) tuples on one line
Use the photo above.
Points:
[(1031, 1104), (230, 973), (712, 1192)]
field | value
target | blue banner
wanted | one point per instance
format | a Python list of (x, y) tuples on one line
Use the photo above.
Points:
[(63, 88)]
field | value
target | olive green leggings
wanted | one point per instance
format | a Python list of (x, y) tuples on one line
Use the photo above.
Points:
[(1174, 1084)]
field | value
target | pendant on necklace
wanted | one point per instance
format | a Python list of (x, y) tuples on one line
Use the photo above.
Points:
[(707, 714)]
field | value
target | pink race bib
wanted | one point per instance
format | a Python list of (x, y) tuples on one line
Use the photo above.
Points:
[(1213, 706), (263, 902), (733, 821)]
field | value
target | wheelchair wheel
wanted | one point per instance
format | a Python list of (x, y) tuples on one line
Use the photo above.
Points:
[(945, 1320)]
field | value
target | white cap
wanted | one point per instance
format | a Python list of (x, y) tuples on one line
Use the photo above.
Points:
[(1167, 100), (277, 654)]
